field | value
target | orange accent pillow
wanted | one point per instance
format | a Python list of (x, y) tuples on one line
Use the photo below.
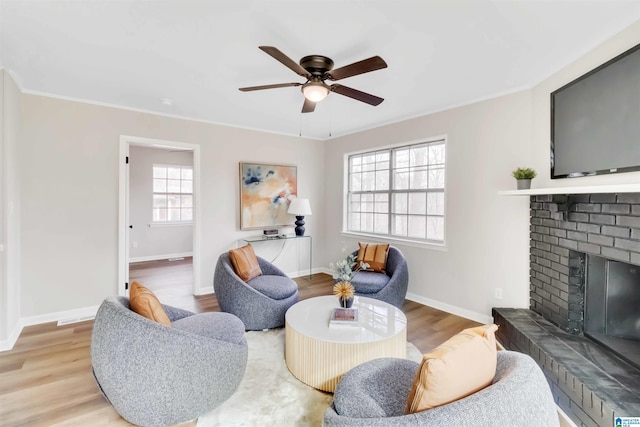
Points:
[(374, 254), (145, 303), (463, 365), (245, 262)]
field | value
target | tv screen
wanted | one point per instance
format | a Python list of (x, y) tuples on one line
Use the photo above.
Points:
[(595, 120)]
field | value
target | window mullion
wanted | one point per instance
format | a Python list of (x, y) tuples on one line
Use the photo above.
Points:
[(390, 192)]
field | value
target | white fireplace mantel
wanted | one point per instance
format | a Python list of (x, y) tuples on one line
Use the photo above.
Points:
[(616, 188)]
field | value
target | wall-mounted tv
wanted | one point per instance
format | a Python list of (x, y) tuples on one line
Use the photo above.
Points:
[(595, 120)]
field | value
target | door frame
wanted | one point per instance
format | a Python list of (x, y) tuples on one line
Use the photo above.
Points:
[(123, 204)]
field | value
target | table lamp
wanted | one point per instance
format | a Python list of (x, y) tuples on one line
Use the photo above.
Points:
[(299, 208)]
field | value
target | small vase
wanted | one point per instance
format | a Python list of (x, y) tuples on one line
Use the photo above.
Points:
[(346, 302), (524, 184)]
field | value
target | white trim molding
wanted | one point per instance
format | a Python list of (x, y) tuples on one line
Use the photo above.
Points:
[(61, 317), (160, 257), (304, 273), (6, 345), (395, 240), (458, 311)]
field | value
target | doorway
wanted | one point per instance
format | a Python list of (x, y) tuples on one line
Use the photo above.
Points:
[(127, 228)]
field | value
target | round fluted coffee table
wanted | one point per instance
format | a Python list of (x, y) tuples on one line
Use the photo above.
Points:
[(318, 355)]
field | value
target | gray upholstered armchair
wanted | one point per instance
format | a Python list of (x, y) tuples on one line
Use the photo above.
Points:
[(261, 302), (390, 287), (375, 394), (154, 375)]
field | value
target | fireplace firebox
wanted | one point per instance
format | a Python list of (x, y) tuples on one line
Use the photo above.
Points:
[(612, 306)]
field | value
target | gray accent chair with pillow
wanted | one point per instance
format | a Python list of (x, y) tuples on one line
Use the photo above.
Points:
[(375, 394), (262, 301), (390, 287), (155, 375)]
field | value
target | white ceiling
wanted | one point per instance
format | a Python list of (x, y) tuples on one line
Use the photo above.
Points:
[(198, 53)]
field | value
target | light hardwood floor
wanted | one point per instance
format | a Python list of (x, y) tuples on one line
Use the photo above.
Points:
[(46, 379)]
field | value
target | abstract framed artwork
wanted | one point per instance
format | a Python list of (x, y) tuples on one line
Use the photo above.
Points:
[(265, 194)]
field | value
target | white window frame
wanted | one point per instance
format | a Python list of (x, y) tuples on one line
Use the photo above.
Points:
[(159, 223), (412, 241)]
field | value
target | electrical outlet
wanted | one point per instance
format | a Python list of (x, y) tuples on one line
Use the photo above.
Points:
[(497, 293)]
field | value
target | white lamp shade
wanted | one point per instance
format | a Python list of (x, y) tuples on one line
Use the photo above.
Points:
[(299, 207)]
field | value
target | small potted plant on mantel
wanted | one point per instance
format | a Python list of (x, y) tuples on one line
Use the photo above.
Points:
[(523, 177)]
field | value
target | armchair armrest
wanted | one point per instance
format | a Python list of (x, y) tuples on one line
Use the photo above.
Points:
[(269, 269), (175, 313)]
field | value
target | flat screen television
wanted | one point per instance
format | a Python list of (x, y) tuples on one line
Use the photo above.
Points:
[(595, 120)]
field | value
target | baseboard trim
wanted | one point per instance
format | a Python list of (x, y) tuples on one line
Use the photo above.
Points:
[(324, 270), (204, 291), (6, 345), (458, 311), (62, 317), (159, 257), (305, 273)]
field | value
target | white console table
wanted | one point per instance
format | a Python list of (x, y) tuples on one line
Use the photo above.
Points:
[(284, 239)]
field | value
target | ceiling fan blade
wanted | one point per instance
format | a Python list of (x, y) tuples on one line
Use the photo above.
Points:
[(285, 60), (356, 94), (308, 106), (360, 67), (250, 88)]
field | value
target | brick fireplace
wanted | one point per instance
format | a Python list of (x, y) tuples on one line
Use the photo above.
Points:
[(589, 382)]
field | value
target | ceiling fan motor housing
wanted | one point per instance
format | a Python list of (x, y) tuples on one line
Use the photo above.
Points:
[(316, 64)]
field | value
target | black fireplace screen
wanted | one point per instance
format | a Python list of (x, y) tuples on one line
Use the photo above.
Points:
[(612, 306)]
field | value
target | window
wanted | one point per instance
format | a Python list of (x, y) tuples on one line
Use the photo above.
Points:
[(398, 192), (172, 194)]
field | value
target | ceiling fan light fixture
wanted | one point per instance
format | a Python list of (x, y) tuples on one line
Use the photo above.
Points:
[(315, 91)]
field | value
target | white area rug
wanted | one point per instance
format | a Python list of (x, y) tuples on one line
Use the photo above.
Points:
[(269, 395)]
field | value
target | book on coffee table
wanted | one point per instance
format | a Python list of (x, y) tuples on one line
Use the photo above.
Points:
[(344, 317)]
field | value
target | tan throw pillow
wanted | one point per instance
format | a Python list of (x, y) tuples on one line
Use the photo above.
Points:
[(374, 254), (245, 262), (463, 365), (145, 303)]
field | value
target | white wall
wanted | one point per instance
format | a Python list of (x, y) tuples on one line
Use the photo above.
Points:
[(70, 194), (147, 243), (486, 234), (9, 211)]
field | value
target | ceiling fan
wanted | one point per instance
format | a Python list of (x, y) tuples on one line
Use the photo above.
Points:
[(316, 69)]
